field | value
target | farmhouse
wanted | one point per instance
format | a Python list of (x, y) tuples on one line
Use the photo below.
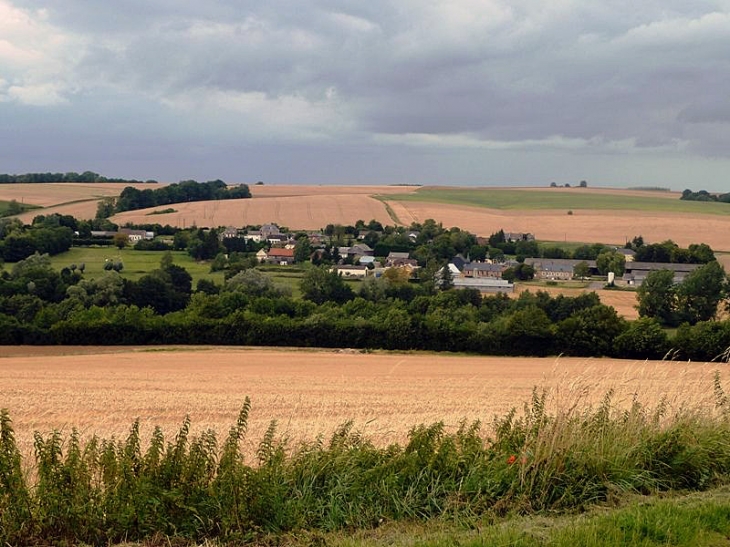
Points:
[(229, 233), (635, 272), (400, 260), (514, 237), (483, 269), (276, 255), (136, 235)]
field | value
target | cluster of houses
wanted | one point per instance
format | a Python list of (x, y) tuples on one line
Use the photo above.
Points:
[(487, 276), (358, 260)]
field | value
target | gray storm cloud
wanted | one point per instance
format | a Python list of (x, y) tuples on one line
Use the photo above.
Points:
[(567, 77)]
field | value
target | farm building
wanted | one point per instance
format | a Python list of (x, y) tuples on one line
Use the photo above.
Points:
[(483, 269), (276, 255), (558, 268), (136, 235), (636, 272)]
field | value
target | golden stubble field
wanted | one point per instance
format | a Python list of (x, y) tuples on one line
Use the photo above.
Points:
[(624, 302), (584, 225), (102, 390)]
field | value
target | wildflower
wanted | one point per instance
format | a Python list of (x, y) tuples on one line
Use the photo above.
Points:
[(512, 459)]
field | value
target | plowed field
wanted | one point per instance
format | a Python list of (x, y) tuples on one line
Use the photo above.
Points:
[(102, 390)]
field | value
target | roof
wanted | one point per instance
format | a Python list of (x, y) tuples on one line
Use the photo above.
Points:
[(652, 266), (286, 253), (484, 267), (396, 254), (557, 264)]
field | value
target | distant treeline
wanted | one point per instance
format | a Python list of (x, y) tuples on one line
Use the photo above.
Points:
[(704, 195), (71, 176), (651, 188), (188, 190)]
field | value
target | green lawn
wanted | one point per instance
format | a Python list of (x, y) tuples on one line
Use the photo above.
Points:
[(136, 263), (524, 199)]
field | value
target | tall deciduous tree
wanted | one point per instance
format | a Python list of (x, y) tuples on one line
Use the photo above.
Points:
[(321, 285), (611, 261), (658, 297), (700, 293)]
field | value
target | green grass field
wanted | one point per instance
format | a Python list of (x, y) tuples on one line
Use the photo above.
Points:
[(136, 263), (512, 199)]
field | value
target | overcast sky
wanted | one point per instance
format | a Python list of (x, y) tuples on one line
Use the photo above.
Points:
[(478, 92)]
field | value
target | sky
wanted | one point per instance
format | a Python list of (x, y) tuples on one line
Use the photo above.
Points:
[(456, 92)]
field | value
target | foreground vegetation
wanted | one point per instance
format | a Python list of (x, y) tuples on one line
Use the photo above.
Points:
[(197, 488)]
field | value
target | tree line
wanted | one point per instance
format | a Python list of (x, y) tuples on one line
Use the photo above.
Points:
[(71, 176), (133, 198), (704, 195), (39, 305)]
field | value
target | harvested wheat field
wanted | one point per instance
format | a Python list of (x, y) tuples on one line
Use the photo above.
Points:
[(585, 225), (48, 194), (102, 390), (624, 302), (302, 212), (79, 199)]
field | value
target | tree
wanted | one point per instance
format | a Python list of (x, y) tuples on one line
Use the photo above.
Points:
[(302, 250), (589, 331), (700, 293), (520, 272), (583, 184), (121, 240), (657, 297), (321, 285), (447, 278), (611, 261), (582, 270), (251, 282), (642, 339)]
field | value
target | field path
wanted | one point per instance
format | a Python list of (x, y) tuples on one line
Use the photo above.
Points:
[(102, 390)]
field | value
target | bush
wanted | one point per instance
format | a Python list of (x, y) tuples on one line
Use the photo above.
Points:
[(198, 489)]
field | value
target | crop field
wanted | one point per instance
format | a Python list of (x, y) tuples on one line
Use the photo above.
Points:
[(624, 302), (600, 226), (305, 212), (101, 390), (564, 198)]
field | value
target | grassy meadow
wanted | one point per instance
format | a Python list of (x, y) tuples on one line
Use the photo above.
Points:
[(136, 263), (543, 199)]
